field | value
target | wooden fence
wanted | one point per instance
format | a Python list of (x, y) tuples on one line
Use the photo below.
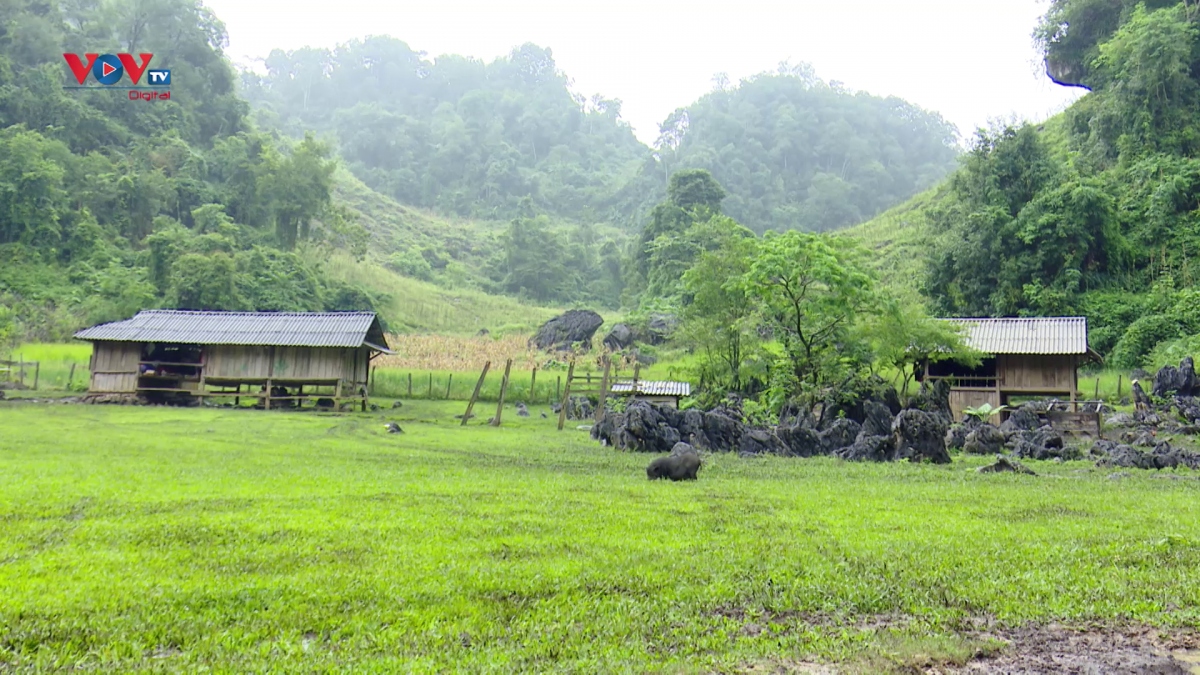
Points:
[(18, 371)]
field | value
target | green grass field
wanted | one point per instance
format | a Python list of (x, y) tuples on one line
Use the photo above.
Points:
[(160, 539)]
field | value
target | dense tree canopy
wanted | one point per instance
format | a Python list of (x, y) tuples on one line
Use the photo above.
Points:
[(794, 152), (1084, 215), (108, 205), (456, 134)]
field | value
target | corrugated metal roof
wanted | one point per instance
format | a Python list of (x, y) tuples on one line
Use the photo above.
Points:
[(1052, 335), (654, 388), (281, 329)]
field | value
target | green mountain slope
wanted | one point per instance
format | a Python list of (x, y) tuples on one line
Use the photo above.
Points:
[(1096, 212)]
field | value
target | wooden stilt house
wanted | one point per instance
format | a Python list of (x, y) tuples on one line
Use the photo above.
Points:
[(1035, 357), (280, 358)]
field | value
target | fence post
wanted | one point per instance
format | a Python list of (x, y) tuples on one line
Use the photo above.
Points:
[(558, 388), (21, 370), (37, 371), (430, 395), (503, 388), (410, 385), (373, 381), (1118, 387), (70, 377), (475, 394), (533, 387), (1097, 395), (562, 411), (603, 391), (448, 382)]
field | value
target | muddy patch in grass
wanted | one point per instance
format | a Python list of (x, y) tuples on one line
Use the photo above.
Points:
[(981, 648), (1038, 650)]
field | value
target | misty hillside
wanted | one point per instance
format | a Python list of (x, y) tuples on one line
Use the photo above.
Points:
[(499, 140)]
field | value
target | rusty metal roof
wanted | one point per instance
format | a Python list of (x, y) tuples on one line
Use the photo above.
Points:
[(654, 388), (280, 329), (1052, 335)]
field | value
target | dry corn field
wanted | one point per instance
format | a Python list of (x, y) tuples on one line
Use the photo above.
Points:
[(445, 352), (461, 354)]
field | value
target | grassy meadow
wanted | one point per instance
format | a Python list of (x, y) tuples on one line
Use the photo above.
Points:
[(165, 539)]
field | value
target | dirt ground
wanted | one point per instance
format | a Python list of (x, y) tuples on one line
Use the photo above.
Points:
[(1095, 651), (1032, 650)]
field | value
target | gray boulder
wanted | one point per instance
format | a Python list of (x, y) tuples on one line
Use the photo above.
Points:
[(921, 436), (801, 441), (659, 328), (984, 440), (1004, 464), (565, 330), (1121, 419), (760, 442), (877, 419), (1043, 443), (682, 448), (1171, 380), (869, 449), (1022, 419), (933, 399), (620, 337), (839, 434)]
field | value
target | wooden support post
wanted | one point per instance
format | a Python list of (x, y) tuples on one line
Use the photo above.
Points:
[(410, 385), (201, 388), (475, 394), (37, 372), (237, 400), (337, 396), (70, 377), (533, 387), (562, 411), (503, 388), (448, 383), (271, 373), (603, 390), (430, 394), (372, 390)]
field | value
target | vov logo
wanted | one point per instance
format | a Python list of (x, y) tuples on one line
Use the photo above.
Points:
[(109, 70)]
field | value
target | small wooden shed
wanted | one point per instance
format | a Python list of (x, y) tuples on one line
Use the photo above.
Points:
[(1025, 357), (657, 392), (274, 356)]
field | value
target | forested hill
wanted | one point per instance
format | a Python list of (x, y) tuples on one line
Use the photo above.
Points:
[(1096, 212), (455, 134), (495, 140), (110, 205), (794, 152)]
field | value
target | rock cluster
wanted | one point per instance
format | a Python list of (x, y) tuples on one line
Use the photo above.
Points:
[(578, 408), (916, 433), (1163, 456)]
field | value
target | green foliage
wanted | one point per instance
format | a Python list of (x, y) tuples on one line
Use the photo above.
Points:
[(719, 316), (984, 411), (455, 134), (903, 338), (812, 290), (794, 152)]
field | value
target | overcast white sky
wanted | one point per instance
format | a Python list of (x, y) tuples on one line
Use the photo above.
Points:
[(970, 60)]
